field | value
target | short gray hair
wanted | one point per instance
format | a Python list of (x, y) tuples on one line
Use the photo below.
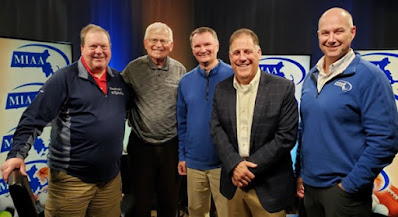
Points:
[(157, 26)]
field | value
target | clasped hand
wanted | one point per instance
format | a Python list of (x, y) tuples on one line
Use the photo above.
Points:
[(242, 176)]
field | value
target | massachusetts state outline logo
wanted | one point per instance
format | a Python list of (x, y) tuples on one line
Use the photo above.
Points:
[(48, 58), (387, 61), (290, 67), (385, 187), (25, 66), (22, 96)]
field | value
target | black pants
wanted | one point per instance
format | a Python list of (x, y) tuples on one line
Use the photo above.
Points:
[(153, 171), (334, 202)]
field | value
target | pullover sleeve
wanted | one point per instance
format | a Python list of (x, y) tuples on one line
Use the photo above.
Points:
[(181, 122), (297, 165), (380, 124), (43, 109)]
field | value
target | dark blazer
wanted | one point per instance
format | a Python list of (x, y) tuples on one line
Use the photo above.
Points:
[(273, 135)]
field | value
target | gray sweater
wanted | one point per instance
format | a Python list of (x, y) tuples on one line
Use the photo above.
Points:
[(153, 113)]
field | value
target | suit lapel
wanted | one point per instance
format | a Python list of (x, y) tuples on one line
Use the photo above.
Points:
[(262, 93), (232, 109)]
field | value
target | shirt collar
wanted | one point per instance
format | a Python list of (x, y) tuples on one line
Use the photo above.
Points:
[(338, 66), (212, 71), (102, 78), (153, 66), (247, 87), (84, 71)]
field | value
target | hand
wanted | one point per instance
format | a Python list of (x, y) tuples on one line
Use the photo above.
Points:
[(182, 168), (341, 186), (10, 165), (242, 176), (300, 187)]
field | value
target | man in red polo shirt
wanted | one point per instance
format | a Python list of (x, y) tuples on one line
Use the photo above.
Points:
[(86, 103)]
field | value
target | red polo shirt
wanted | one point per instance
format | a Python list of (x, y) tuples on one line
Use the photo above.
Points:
[(101, 82)]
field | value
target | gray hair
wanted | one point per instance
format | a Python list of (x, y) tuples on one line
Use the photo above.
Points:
[(158, 26)]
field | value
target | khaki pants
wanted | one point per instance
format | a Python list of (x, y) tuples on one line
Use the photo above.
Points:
[(201, 185), (247, 204), (68, 196)]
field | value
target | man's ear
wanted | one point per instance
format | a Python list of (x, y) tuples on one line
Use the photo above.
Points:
[(353, 32)]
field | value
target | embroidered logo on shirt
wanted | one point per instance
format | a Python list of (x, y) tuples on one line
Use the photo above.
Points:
[(116, 91), (345, 85), (171, 83)]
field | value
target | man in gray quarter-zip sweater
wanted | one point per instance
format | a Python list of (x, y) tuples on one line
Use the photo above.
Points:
[(153, 143)]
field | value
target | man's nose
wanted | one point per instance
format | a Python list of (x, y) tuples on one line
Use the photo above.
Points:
[(98, 49), (331, 38), (158, 43), (242, 56)]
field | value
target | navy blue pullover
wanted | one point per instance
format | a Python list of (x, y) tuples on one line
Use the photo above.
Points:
[(87, 126)]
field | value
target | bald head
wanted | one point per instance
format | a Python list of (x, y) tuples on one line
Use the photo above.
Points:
[(336, 13), (335, 33)]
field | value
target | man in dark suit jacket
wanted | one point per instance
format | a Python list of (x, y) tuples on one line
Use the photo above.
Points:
[(254, 127)]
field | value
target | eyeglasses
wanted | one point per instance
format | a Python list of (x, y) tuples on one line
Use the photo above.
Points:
[(155, 41)]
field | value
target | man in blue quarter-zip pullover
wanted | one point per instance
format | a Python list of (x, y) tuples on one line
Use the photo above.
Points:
[(86, 103), (349, 125), (198, 158)]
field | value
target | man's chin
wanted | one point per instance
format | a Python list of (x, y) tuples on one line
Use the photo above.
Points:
[(203, 60), (158, 57), (157, 54), (244, 73), (333, 51), (98, 68)]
